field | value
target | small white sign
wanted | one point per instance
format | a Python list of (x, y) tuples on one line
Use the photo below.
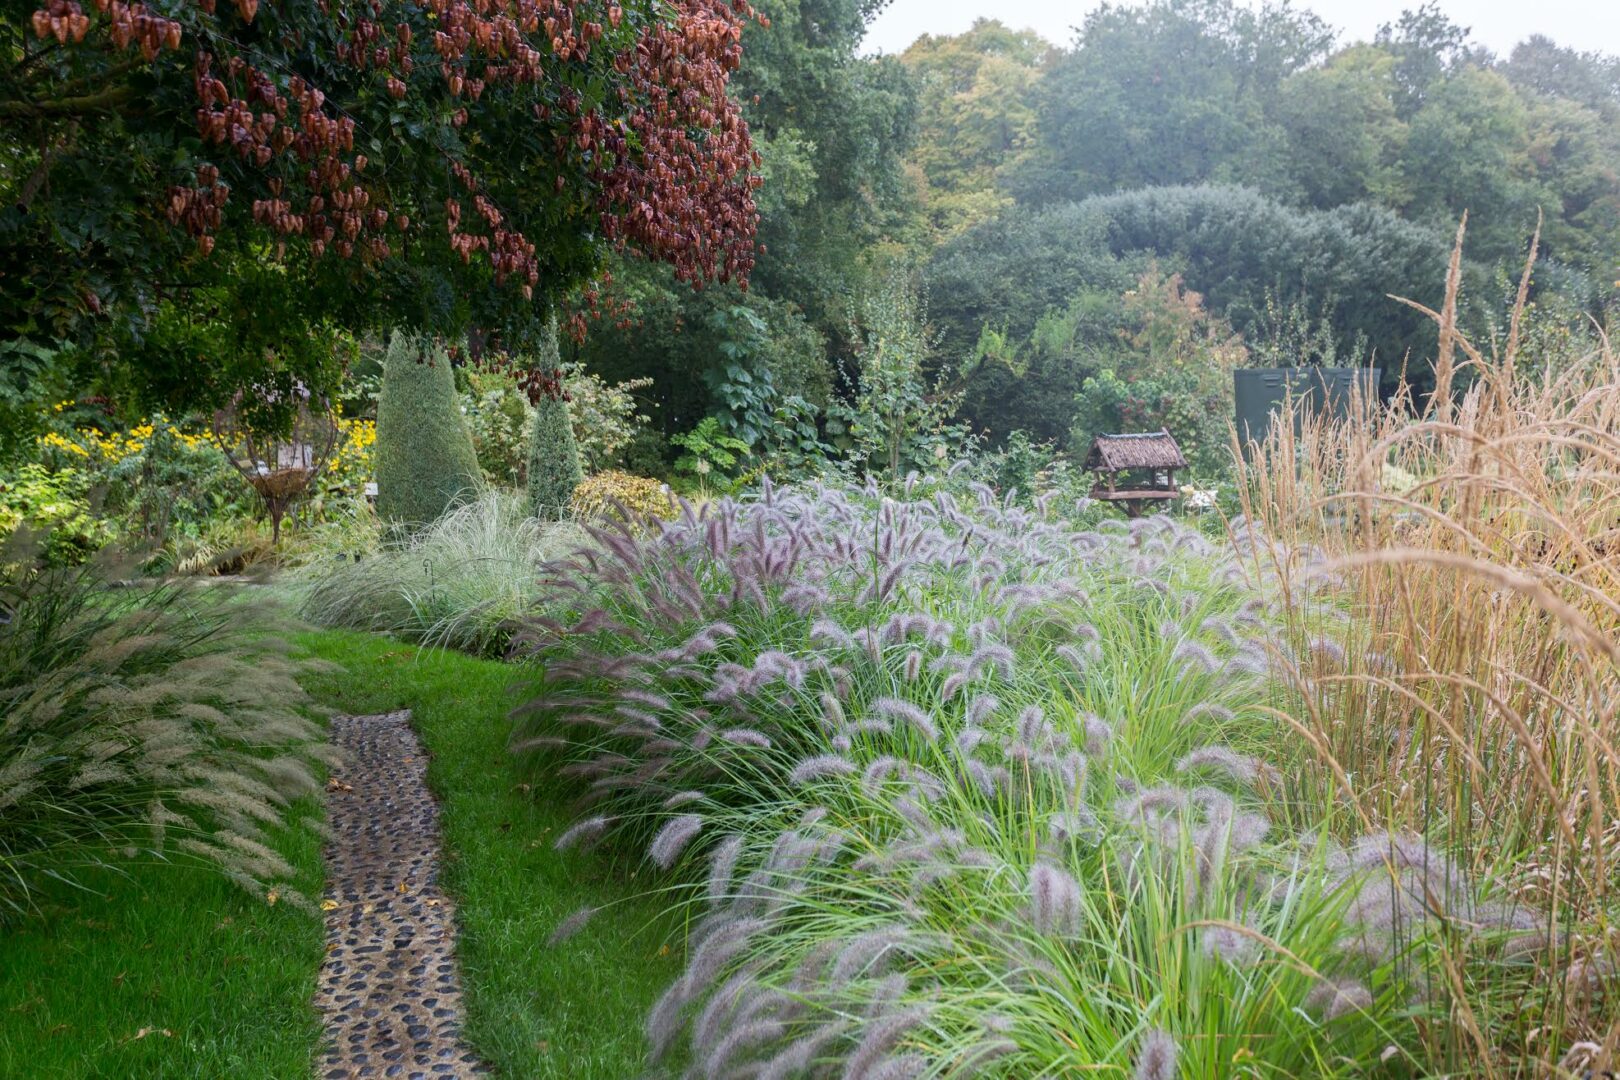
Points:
[(371, 489)]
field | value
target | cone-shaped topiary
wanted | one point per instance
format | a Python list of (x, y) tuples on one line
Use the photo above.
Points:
[(554, 470), (425, 463)]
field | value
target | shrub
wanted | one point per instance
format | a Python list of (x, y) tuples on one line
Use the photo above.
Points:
[(424, 456), (554, 470), (133, 725), (461, 582), (601, 496), (960, 789)]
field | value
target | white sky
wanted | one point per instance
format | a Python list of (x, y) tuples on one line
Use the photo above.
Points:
[(1497, 24)]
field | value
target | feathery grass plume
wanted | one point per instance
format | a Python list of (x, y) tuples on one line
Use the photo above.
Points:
[(1336, 997), (747, 737), (571, 925), (673, 838), (952, 684), (1239, 767), (982, 708), (1156, 1056), (912, 715), (1055, 901), (1217, 712), (878, 1037), (991, 656), (682, 798), (904, 1067), (723, 865), (820, 767), (912, 668), (1098, 734), (1195, 656), (795, 1059)]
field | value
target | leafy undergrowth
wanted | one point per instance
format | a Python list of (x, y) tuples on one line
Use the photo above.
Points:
[(164, 971), (534, 1010)]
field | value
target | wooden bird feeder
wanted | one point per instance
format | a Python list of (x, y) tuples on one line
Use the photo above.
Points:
[(1136, 471)]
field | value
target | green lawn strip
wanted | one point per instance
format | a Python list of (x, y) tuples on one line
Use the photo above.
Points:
[(166, 971), (574, 1010)]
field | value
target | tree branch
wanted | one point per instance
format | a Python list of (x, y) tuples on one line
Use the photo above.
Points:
[(100, 101)]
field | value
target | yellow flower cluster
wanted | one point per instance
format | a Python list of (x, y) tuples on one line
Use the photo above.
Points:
[(90, 444), (351, 460)]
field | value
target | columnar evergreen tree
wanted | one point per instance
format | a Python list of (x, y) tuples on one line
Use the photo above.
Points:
[(425, 463), (554, 470)]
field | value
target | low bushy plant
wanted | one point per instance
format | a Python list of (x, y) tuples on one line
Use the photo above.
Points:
[(425, 463), (604, 496)]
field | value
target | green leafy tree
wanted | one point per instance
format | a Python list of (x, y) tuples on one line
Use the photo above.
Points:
[(424, 458), (1175, 92), (1344, 136)]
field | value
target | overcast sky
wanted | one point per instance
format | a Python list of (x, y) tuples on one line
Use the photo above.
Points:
[(1497, 24)]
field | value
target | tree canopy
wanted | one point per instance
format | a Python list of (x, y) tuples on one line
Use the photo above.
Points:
[(199, 195)]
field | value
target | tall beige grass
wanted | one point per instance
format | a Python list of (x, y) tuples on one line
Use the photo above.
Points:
[(1469, 553)]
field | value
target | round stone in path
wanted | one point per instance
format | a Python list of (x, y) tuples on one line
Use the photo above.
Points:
[(389, 990)]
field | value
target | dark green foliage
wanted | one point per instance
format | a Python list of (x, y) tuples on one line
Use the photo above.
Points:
[(425, 463), (554, 469), (1239, 249)]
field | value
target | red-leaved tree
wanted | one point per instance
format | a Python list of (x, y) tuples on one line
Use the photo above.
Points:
[(207, 188)]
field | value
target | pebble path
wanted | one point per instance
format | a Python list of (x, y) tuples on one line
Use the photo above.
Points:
[(389, 990)]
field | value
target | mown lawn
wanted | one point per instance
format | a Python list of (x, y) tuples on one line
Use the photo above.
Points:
[(574, 1010), (167, 971)]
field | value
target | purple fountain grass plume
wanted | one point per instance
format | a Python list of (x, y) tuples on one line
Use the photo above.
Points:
[(868, 953), (673, 838), (681, 798), (950, 662), (1336, 997), (911, 669), (904, 1067), (991, 655), (740, 1006), (878, 771), (804, 598), (571, 926), (951, 686), (1195, 656), (820, 767), (907, 713), (722, 865), (871, 725), (1055, 901), (1156, 1056), (1098, 734), (540, 742), (982, 708), (925, 783), (637, 696), (983, 777), (841, 743), (1033, 730), (747, 737), (1219, 713), (832, 711), (968, 740), (1078, 825), (878, 1037), (795, 1059), (639, 717), (1240, 767), (916, 815)]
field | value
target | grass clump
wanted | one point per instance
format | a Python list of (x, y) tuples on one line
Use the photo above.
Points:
[(461, 582), (956, 789), (425, 461), (1476, 691), (135, 725)]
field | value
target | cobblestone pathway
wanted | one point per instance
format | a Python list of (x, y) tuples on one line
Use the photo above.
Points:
[(389, 990)]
